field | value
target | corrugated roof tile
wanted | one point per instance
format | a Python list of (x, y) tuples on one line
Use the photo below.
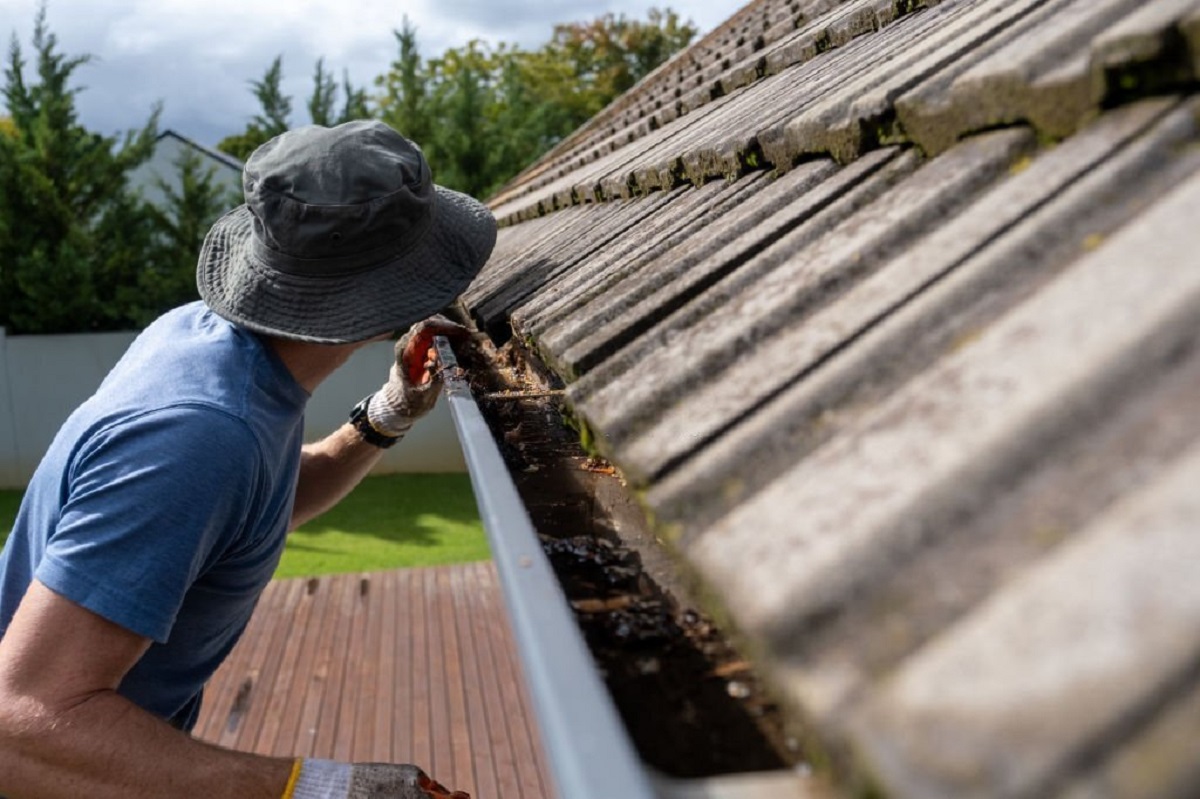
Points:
[(977, 414), (1129, 644), (911, 386)]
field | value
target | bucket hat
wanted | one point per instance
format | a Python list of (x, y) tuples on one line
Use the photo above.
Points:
[(343, 237)]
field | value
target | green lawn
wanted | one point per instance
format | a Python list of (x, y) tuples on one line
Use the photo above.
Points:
[(391, 522), (387, 522)]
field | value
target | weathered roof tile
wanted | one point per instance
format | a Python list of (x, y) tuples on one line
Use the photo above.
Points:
[(1128, 643), (921, 303), (1052, 70), (911, 387), (690, 298), (981, 412), (704, 379)]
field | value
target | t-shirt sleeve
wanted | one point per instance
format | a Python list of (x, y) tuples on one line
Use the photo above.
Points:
[(153, 502)]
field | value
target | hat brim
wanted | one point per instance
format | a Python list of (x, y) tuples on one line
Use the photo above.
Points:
[(391, 296)]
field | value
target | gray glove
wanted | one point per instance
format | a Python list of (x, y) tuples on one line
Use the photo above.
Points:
[(414, 381), (329, 779)]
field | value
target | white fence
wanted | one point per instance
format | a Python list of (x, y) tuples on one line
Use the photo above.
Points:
[(43, 379)]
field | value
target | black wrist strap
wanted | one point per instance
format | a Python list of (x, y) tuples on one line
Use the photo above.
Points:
[(362, 423)]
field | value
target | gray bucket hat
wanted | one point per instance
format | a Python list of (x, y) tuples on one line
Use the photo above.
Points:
[(343, 237)]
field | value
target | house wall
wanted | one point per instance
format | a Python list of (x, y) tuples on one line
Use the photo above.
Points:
[(164, 164), (43, 378)]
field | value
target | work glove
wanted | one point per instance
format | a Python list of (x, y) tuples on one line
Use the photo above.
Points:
[(414, 381), (329, 779)]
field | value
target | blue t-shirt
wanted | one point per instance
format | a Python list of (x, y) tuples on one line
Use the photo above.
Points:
[(163, 502)]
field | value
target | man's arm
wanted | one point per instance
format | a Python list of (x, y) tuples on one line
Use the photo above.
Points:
[(329, 469), (65, 732)]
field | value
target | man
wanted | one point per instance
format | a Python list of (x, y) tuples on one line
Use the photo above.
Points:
[(159, 511)]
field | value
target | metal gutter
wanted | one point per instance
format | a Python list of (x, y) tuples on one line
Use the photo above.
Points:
[(586, 743)]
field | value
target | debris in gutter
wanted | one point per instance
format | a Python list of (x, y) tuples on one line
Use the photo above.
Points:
[(522, 395), (598, 466), (690, 702)]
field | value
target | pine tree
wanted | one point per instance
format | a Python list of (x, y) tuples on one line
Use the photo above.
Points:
[(356, 104), (276, 106), (459, 148), (72, 237), (275, 110), (405, 104), (324, 97), (320, 104)]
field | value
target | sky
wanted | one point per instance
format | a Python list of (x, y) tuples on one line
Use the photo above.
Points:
[(198, 57)]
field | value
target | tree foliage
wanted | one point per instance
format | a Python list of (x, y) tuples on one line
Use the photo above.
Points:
[(322, 103), (79, 250), (609, 54), (274, 116), (483, 112), (324, 96), (405, 101), (275, 107), (71, 236)]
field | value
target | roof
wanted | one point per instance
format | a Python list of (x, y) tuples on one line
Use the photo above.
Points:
[(889, 312), (225, 159), (159, 176)]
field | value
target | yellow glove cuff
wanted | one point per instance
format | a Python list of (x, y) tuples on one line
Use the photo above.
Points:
[(293, 779)]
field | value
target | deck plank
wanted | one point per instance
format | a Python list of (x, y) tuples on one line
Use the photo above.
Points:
[(460, 737), (480, 744), (421, 729), (363, 722), (517, 705), (250, 732), (386, 695), (399, 724), (312, 671), (339, 675), (404, 666), (435, 677), (505, 757)]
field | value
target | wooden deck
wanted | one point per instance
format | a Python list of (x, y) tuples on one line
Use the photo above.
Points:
[(414, 666)]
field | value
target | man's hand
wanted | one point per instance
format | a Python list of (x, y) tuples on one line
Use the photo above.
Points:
[(327, 779), (372, 780), (414, 382)]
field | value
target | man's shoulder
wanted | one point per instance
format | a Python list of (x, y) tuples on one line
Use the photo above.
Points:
[(192, 354), (186, 431)]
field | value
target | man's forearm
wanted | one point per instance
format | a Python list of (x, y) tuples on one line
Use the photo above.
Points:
[(329, 469), (105, 747)]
